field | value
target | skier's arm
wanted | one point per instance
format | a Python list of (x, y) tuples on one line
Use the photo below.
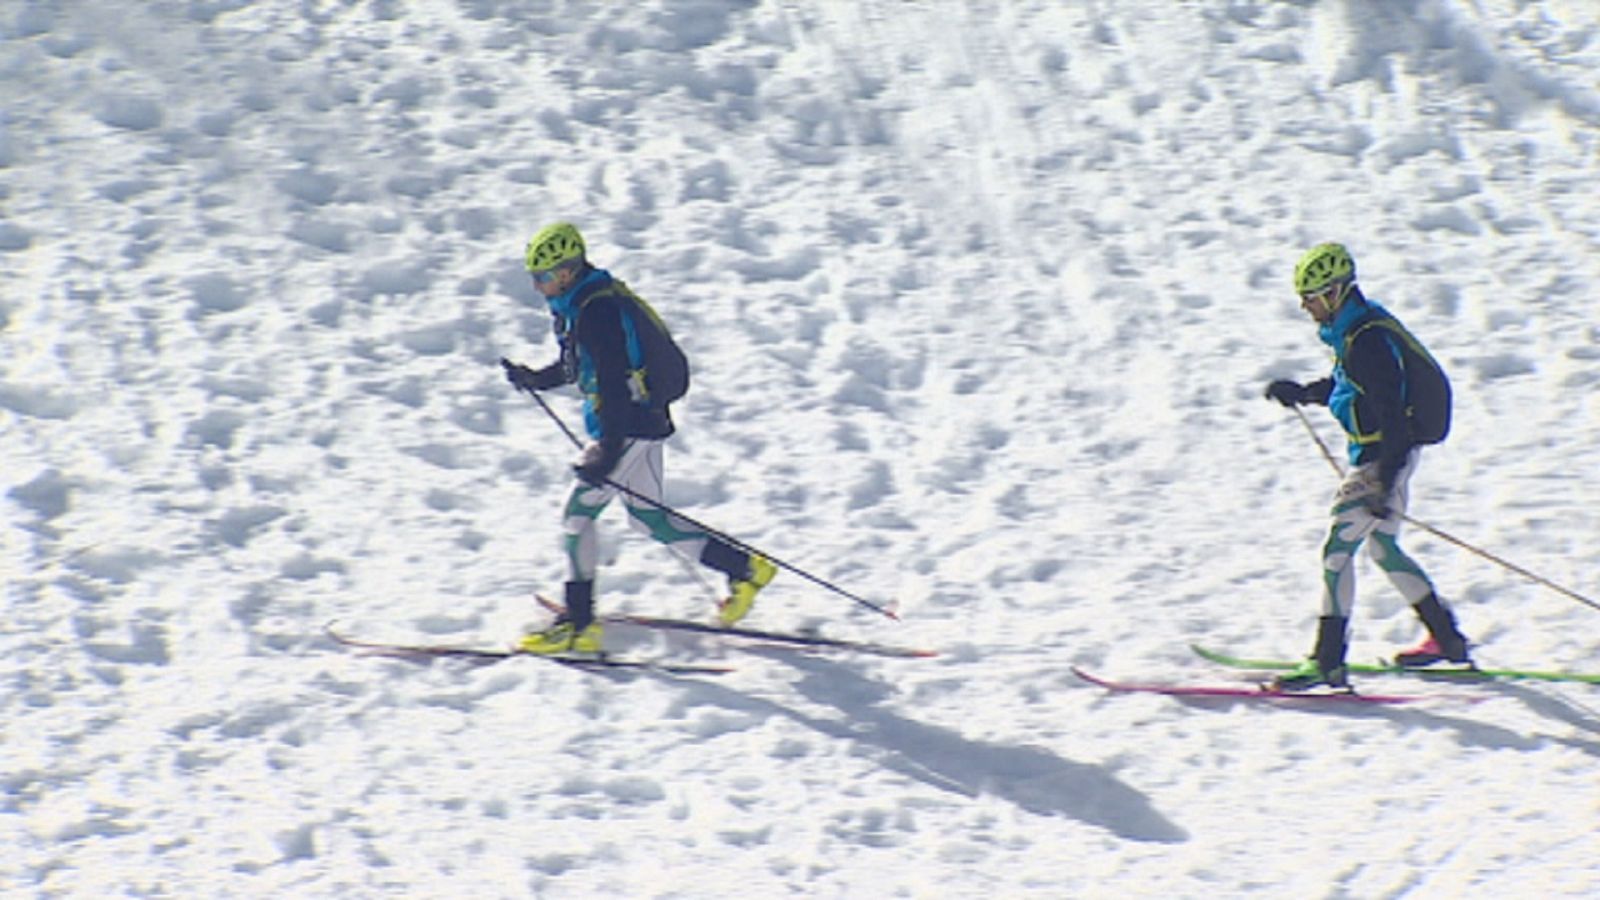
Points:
[(1317, 391), (1293, 393), (600, 332), (1372, 365)]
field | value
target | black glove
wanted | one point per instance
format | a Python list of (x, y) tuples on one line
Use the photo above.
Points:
[(1378, 503), (525, 379), (1388, 470), (598, 459), (1289, 393)]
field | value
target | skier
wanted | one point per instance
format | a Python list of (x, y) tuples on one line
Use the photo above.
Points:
[(1390, 396), (607, 334)]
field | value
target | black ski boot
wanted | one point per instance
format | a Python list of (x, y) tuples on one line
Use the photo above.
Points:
[(1326, 666), (1444, 643)]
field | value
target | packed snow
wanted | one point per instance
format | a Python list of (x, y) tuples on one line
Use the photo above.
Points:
[(981, 298)]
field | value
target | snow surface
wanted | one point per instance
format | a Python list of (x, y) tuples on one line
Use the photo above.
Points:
[(981, 298)]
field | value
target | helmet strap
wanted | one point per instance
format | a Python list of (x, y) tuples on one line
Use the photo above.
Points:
[(1334, 298), (575, 270), (1343, 294)]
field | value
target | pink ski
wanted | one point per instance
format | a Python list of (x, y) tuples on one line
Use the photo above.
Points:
[(1257, 692)]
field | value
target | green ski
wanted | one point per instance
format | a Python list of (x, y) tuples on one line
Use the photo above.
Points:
[(1265, 665)]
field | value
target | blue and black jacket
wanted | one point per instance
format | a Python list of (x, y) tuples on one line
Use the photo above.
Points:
[(600, 347), (1386, 391)]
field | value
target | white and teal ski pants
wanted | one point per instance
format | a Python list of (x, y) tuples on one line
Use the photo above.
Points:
[(639, 470), (1353, 523)]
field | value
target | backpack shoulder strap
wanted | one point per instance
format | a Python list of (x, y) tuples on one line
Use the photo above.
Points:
[(1393, 326), (1369, 321), (639, 303), (588, 293)]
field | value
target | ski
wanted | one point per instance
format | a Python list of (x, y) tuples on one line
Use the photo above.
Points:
[(1235, 692), (793, 639), (1389, 668), (811, 641), (494, 654)]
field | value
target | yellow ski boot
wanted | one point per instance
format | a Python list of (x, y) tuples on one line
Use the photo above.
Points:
[(563, 638), (742, 592)]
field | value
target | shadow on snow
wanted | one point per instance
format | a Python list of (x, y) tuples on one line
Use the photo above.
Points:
[(1033, 778)]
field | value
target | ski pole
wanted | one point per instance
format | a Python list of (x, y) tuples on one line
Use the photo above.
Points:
[(715, 532), (1317, 438), (556, 419), (1450, 538)]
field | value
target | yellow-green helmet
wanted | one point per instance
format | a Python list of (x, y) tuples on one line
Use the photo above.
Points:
[(1322, 265), (552, 246)]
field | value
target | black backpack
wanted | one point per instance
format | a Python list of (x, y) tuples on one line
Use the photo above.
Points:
[(1427, 388), (663, 373)]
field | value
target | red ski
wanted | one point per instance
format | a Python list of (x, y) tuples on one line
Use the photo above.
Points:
[(1252, 692), (798, 641), (420, 651)]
